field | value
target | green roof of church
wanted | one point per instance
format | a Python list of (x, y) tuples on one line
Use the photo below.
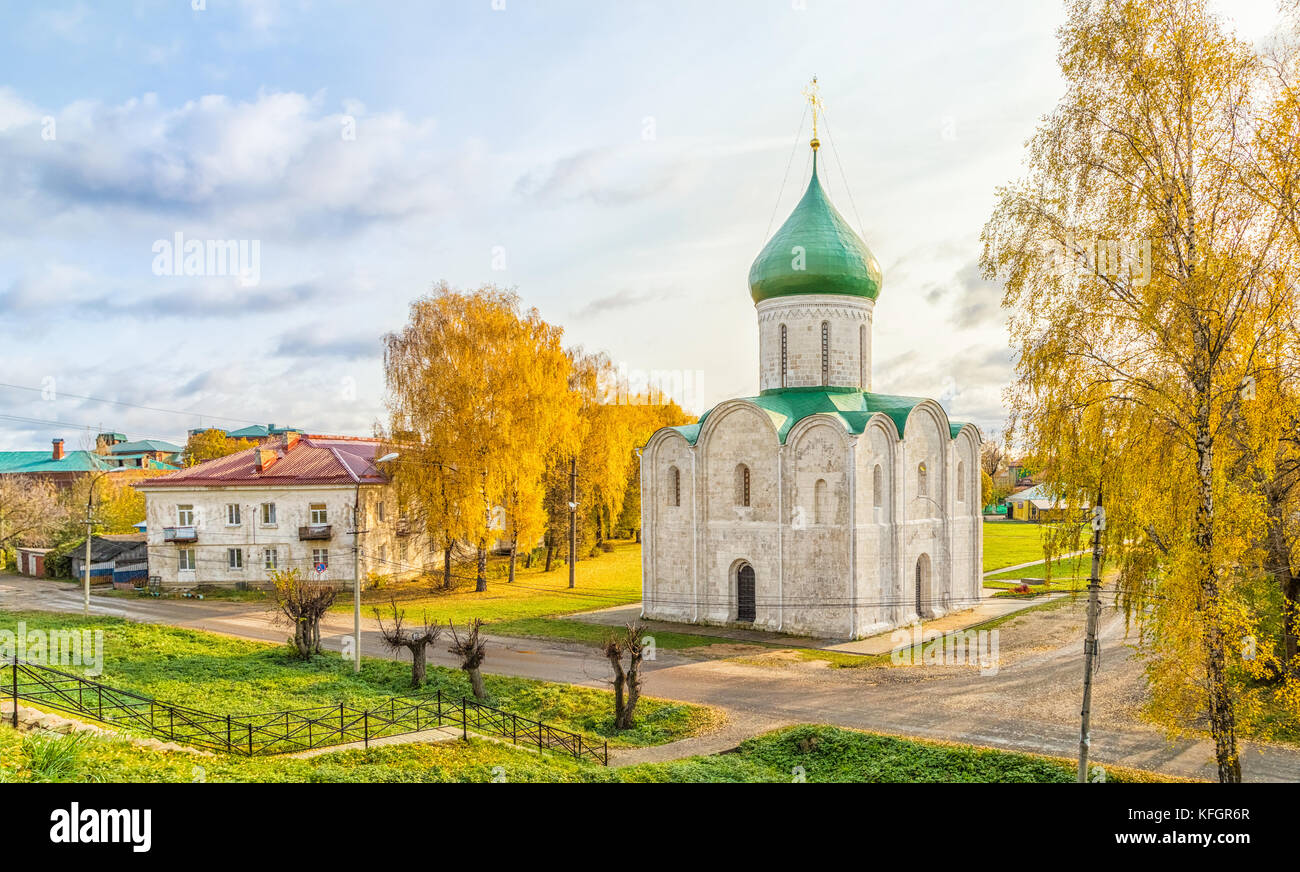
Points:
[(834, 260), (788, 406)]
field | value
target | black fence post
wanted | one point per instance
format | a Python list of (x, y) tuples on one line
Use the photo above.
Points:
[(464, 722), (365, 716), (227, 734), (14, 679), (514, 728), (342, 734), (250, 740), (440, 706), (171, 722), (606, 756)]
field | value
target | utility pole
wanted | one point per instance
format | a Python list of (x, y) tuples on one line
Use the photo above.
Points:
[(85, 569), (356, 582), (573, 516), (1091, 649)]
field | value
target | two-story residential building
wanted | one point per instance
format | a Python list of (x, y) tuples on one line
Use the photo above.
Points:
[(288, 503)]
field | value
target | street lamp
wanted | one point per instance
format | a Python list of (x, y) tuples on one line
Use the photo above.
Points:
[(356, 566)]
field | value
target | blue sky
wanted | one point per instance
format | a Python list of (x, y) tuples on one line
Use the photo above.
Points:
[(620, 164)]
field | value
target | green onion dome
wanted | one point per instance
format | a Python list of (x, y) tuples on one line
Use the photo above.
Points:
[(834, 259)]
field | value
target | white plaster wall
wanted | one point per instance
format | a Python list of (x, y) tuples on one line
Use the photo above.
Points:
[(215, 536)]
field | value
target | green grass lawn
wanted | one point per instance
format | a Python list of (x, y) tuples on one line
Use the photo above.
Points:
[(820, 754), (221, 675), (1010, 543), (609, 579)]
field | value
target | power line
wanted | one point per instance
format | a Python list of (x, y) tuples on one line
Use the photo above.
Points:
[(191, 414)]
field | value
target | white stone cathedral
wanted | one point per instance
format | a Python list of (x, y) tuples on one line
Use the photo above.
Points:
[(817, 507)]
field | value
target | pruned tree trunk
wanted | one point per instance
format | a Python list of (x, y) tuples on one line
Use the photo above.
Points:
[(476, 683), (514, 551), (627, 682), (550, 556)]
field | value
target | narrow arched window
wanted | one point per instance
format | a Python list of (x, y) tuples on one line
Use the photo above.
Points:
[(877, 488), (674, 486), (961, 481), (862, 358), (785, 356), (922, 483), (821, 504), (742, 485), (826, 352)]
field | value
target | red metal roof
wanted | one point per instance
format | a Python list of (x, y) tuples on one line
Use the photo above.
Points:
[(309, 460)]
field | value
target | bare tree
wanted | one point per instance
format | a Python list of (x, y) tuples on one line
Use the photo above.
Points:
[(30, 511), (627, 682), (302, 604), (991, 454), (471, 650), (417, 641)]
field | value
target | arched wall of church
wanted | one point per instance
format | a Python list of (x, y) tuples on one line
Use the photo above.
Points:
[(817, 581), (926, 506), (968, 520), (737, 433), (668, 530), (878, 582)]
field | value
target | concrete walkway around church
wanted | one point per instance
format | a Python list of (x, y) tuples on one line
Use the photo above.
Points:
[(986, 611), (883, 643)]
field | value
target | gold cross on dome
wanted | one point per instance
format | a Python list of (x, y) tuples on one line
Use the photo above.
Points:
[(813, 94)]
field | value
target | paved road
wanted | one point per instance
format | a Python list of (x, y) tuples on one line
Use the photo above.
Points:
[(964, 706)]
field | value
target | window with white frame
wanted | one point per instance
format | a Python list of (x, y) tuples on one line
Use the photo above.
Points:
[(232, 515), (235, 558), (185, 516), (271, 558), (320, 557), (268, 514), (185, 559), (318, 513)]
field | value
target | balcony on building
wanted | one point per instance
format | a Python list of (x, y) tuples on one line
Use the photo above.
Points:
[(315, 531), (180, 534)]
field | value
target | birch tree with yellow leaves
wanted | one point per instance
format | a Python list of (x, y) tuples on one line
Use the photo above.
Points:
[(477, 393), (1149, 284)]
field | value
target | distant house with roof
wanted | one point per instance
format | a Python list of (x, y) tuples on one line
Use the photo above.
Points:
[(256, 432), (1035, 503), (57, 465), (286, 504), (144, 454), (122, 559)]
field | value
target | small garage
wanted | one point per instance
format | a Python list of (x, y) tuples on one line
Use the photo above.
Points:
[(31, 561)]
